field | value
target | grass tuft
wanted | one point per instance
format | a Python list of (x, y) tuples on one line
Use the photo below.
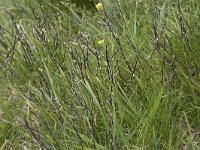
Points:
[(125, 77)]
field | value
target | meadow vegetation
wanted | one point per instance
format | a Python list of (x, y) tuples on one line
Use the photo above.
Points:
[(125, 77)]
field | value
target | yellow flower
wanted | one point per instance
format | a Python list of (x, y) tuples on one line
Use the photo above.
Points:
[(99, 6), (100, 42)]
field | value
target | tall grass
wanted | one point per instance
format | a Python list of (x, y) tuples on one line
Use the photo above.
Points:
[(62, 89)]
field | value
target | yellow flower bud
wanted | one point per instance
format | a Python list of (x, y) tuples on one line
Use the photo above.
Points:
[(99, 6), (100, 42)]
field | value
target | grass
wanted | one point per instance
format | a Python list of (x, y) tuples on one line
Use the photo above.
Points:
[(139, 89)]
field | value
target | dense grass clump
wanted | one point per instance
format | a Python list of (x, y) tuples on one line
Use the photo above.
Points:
[(125, 77)]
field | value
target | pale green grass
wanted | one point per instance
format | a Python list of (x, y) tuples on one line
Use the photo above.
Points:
[(60, 89)]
